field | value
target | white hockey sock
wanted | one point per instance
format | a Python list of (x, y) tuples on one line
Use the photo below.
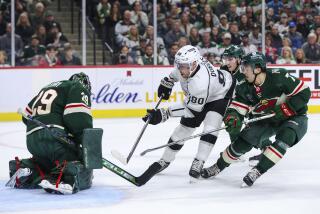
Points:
[(204, 150), (169, 154)]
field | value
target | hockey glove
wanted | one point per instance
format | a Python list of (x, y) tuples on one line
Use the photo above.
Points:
[(282, 112), (156, 116), (234, 123), (165, 88)]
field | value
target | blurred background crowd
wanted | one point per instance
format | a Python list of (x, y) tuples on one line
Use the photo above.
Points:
[(126, 27)]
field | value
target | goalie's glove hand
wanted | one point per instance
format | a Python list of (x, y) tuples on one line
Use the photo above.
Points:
[(233, 123), (165, 88), (156, 116), (282, 112)]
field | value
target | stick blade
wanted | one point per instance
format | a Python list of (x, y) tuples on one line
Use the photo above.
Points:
[(119, 157)]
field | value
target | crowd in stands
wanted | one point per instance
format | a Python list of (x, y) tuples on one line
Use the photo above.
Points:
[(292, 30), (39, 40)]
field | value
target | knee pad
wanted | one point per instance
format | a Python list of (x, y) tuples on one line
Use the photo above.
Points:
[(181, 132), (209, 138), (288, 136)]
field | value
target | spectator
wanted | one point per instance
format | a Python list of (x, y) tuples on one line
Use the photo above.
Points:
[(174, 12), (50, 59), (38, 17), (256, 6), (270, 16), (110, 23), (216, 35), (255, 37), (5, 43), (172, 52), (194, 15), (50, 21), (302, 26), (232, 13), (69, 58), (283, 25), (246, 45), (124, 57), (149, 37), (3, 24), (271, 52), (226, 42), (277, 5), (276, 38), (3, 59), (206, 24), (160, 16), (56, 37), (103, 11), (139, 17), (286, 42), (317, 32), (286, 56), (35, 48), (234, 30), (295, 37), (183, 41), (300, 58), (174, 34), (147, 58), (194, 37), (41, 34), (141, 50), (122, 27), (185, 24), (311, 49), (165, 26), (222, 7), (207, 46), (24, 28), (207, 9), (245, 24), (132, 39), (224, 25)]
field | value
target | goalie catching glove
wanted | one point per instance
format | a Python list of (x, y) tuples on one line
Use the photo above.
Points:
[(156, 116), (165, 88)]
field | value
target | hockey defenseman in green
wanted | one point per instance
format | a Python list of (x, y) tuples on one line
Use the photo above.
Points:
[(267, 91), (65, 107)]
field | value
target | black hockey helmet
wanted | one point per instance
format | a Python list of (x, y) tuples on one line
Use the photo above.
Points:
[(83, 79)]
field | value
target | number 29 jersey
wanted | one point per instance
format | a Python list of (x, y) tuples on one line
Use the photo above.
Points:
[(206, 84), (64, 104)]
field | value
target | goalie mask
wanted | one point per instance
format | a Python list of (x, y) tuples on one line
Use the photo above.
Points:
[(83, 79), (186, 60)]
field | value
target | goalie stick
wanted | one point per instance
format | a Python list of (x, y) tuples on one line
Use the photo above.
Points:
[(246, 122), (106, 163), (120, 157)]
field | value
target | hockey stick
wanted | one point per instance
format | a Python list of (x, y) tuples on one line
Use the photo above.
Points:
[(120, 157), (107, 164), (246, 122)]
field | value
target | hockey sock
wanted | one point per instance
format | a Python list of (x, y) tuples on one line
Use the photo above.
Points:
[(204, 150), (233, 152), (271, 156)]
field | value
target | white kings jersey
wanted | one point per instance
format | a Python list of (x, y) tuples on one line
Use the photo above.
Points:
[(206, 84)]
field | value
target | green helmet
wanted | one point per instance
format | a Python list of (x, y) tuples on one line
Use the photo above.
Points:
[(83, 79), (233, 51), (255, 59)]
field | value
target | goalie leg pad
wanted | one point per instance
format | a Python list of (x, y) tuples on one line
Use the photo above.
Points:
[(92, 148)]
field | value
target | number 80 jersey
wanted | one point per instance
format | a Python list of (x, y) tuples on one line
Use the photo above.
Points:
[(206, 84), (64, 104)]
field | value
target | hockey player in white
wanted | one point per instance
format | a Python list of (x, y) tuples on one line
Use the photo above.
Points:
[(208, 91)]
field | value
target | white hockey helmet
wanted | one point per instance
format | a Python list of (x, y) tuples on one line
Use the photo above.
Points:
[(186, 56)]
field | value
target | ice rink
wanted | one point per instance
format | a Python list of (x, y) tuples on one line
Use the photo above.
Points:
[(293, 186)]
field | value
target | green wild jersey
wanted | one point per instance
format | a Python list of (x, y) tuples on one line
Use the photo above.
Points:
[(65, 105), (278, 87)]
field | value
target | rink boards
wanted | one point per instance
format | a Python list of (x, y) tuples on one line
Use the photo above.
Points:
[(117, 91)]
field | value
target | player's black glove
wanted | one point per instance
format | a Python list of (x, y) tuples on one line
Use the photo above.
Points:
[(165, 88), (156, 116)]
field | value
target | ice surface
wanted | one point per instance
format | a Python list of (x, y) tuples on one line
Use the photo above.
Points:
[(293, 186)]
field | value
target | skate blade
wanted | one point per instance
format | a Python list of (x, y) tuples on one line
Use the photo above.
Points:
[(193, 180)]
